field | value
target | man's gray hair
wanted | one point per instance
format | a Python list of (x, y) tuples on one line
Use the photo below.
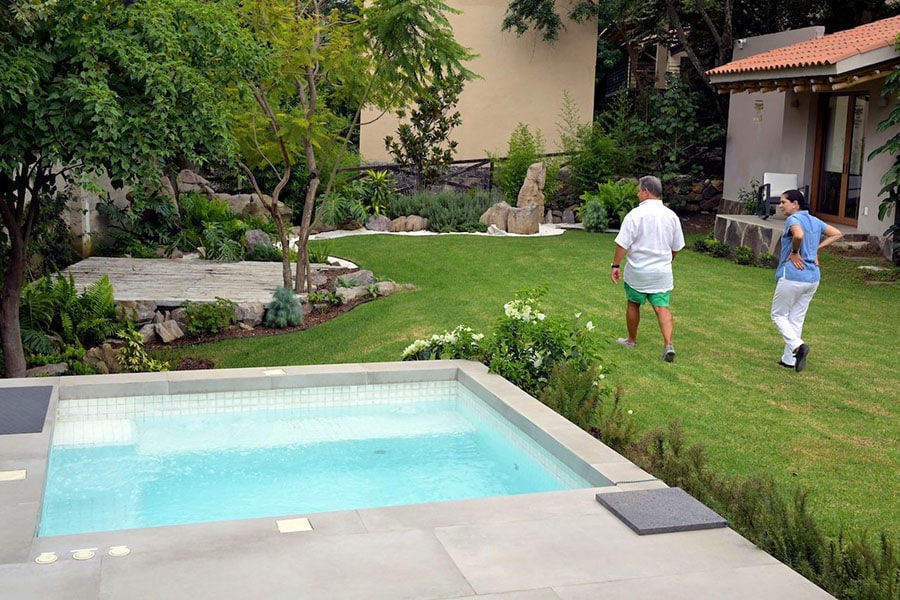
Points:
[(652, 184)]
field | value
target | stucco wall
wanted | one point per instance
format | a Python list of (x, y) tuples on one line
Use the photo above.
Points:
[(771, 131), (523, 80), (874, 169)]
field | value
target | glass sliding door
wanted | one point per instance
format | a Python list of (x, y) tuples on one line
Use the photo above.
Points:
[(842, 157)]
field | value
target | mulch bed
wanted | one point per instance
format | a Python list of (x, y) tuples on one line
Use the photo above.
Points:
[(316, 317)]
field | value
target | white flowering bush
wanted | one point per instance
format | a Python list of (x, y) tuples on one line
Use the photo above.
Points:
[(462, 342), (525, 345)]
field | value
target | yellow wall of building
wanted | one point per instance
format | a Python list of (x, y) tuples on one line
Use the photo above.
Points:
[(523, 81)]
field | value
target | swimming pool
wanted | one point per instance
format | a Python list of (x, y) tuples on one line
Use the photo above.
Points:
[(129, 462), (122, 462)]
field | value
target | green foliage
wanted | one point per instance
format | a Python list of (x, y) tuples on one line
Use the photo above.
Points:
[(675, 131), (209, 317), (133, 357), (462, 342), (56, 311), (284, 309), (323, 297), (616, 197), (320, 251), (445, 211), (524, 347), (748, 198), (783, 527), (72, 356), (260, 253), (145, 223), (743, 255), (592, 155), (352, 204), (593, 213), (424, 142), (525, 149)]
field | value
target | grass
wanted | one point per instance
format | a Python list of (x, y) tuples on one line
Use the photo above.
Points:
[(833, 428)]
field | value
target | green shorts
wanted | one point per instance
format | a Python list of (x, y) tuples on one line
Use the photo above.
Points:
[(655, 298)]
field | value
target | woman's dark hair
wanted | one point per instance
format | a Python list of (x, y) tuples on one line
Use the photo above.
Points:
[(797, 196)]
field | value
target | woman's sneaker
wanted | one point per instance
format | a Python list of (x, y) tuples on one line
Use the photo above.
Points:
[(626, 342)]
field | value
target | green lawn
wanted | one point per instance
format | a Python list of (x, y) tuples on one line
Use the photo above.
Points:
[(834, 428)]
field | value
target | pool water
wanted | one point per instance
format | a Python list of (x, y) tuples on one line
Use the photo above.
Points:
[(199, 466)]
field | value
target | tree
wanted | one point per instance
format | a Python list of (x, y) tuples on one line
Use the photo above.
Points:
[(421, 141), (385, 53), (93, 87)]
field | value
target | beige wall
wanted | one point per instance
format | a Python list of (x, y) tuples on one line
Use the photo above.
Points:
[(523, 80)]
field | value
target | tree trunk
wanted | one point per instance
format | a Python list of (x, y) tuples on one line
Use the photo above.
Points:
[(10, 331), (303, 281), (12, 205)]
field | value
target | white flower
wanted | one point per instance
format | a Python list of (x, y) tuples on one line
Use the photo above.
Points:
[(540, 316), (578, 315), (477, 337), (589, 326), (630, 411)]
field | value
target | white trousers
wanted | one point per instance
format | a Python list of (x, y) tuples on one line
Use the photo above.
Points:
[(789, 306)]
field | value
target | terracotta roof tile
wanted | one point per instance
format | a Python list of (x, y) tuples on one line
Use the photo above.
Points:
[(826, 50)]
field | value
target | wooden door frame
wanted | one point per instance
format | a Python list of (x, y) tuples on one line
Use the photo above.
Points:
[(815, 185)]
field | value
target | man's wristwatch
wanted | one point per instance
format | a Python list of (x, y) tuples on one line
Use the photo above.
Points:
[(613, 266)]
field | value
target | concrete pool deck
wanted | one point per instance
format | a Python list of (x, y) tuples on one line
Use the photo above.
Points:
[(548, 546)]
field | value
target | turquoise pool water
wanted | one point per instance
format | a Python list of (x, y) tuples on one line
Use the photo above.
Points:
[(125, 467)]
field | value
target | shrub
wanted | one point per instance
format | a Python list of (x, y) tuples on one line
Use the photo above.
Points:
[(525, 344), (767, 259), (525, 149), (779, 525), (748, 198), (462, 342), (260, 253), (284, 309), (743, 255), (56, 311), (446, 211), (617, 197), (320, 252), (593, 213), (133, 357), (209, 317)]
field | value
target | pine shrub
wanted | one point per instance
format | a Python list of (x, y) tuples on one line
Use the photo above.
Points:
[(284, 309)]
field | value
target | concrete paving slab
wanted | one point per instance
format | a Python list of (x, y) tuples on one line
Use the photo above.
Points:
[(665, 510), (770, 582), (64, 580), (498, 557), (399, 565)]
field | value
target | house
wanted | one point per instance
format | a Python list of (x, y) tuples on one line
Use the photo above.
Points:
[(523, 80), (809, 104)]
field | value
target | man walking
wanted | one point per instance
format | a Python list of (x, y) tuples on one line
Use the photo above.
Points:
[(649, 239)]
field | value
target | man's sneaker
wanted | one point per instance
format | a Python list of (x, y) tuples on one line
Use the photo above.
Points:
[(800, 353), (669, 354), (626, 342), (785, 365)]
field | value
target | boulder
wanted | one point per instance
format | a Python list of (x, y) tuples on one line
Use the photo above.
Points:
[(250, 313), (386, 288), (139, 311), (168, 331), (104, 358), (257, 237), (497, 215), (347, 294), (379, 223), (532, 190), (525, 220), (47, 370), (363, 277)]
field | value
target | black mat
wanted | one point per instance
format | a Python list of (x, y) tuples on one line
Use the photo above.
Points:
[(661, 511), (23, 409)]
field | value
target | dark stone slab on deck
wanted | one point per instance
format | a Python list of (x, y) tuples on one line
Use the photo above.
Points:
[(661, 511), (23, 409)]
